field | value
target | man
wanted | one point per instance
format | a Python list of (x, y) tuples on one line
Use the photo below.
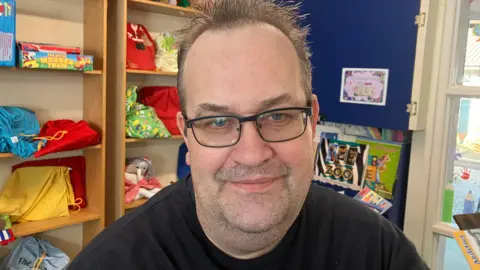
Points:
[(248, 118)]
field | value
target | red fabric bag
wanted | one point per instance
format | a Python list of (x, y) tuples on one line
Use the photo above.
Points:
[(66, 135), (141, 48), (77, 174), (166, 102)]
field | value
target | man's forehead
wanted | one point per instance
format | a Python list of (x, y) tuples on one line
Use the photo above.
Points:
[(255, 106), (245, 67), (235, 41)]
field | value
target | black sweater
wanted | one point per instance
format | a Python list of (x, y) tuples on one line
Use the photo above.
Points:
[(332, 232)]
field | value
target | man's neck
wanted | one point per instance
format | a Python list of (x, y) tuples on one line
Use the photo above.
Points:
[(244, 255)]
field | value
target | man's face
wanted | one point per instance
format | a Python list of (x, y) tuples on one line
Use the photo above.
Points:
[(254, 185)]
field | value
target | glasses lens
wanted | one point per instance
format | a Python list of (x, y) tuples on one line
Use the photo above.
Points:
[(282, 125), (217, 131)]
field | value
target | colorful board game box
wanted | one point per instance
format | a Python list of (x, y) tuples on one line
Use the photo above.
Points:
[(48, 56), (7, 33), (382, 167)]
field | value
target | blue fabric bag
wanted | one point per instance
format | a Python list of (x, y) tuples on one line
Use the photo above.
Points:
[(182, 168), (18, 128), (33, 253)]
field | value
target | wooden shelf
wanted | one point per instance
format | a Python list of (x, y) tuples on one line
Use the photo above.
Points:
[(33, 227), (133, 140), (156, 7), (98, 146), (135, 204), (150, 72), (93, 72)]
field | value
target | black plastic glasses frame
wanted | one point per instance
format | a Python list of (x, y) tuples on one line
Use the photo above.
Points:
[(252, 118)]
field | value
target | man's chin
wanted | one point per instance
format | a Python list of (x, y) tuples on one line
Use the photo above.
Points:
[(254, 217), (253, 226)]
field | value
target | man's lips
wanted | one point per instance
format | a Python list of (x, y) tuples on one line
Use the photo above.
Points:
[(254, 184)]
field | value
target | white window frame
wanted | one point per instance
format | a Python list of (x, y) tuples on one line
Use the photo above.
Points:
[(427, 175)]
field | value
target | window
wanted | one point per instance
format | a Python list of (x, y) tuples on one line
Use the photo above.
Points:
[(453, 185)]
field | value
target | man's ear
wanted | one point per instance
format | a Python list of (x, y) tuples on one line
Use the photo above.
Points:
[(182, 127), (315, 114)]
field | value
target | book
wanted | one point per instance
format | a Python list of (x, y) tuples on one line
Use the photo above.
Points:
[(341, 163), (371, 199), (469, 243), (382, 166), (468, 238)]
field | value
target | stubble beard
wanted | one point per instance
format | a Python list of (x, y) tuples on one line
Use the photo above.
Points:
[(248, 222)]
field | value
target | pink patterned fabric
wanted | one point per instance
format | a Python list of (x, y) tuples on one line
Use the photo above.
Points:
[(131, 189)]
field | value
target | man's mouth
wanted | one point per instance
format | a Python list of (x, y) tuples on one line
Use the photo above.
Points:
[(254, 184)]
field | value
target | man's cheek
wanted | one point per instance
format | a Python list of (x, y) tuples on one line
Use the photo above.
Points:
[(293, 155)]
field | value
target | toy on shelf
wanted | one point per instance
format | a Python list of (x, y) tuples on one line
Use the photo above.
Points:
[(140, 180), (6, 233), (7, 32), (51, 56)]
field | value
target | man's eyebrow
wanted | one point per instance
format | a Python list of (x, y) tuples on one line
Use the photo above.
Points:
[(211, 107), (274, 101), (264, 105)]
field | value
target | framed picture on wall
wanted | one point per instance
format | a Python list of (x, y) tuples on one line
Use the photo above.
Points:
[(364, 86)]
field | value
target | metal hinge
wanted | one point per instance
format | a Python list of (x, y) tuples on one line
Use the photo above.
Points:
[(420, 19), (412, 108)]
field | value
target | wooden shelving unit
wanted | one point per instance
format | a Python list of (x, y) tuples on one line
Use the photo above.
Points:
[(135, 140), (119, 78), (29, 228), (9, 155), (150, 72), (149, 6), (90, 72), (135, 204), (93, 110)]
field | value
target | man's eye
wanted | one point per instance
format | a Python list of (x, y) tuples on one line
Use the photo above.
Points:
[(277, 116), (219, 122)]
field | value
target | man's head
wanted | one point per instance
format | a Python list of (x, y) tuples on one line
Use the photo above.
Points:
[(241, 58)]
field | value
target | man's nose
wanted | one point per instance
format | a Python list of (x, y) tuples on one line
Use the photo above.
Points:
[(251, 150)]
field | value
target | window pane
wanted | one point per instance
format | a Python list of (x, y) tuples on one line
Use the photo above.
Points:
[(468, 44), (462, 192)]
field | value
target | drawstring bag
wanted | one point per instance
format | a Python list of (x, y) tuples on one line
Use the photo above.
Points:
[(183, 170), (66, 135), (142, 121), (33, 253), (165, 101), (140, 48), (37, 193), (18, 127), (76, 166), (166, 57)]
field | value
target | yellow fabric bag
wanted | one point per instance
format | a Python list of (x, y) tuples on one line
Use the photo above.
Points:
[(37, 193)]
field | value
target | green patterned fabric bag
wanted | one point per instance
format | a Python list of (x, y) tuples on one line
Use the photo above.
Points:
[(142, 121)]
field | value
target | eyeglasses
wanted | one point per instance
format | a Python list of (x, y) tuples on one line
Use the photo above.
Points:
[(277, 125)]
